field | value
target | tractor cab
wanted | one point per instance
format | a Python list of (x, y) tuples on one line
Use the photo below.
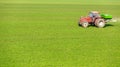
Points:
[(94, 14)]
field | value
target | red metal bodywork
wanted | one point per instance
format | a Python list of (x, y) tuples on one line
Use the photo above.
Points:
[(93, 15), (86, 19)]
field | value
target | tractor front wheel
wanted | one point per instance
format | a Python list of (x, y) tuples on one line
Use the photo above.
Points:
[(85, 24), (100, 23)]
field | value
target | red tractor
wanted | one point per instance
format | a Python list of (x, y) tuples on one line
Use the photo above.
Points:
[(94, 18)]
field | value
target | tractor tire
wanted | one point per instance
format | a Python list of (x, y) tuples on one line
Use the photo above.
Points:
[(85, 24), (100, 23)]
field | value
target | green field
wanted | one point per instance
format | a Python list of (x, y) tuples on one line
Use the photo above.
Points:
[(36, 34)]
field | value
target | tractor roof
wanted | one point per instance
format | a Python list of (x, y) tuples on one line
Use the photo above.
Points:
[(94, 12)]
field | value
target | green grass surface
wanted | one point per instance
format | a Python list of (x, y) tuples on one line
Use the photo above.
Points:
[(102, 2), (47, 35)]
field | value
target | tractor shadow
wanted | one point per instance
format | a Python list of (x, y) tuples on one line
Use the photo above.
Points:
[(107, 25)]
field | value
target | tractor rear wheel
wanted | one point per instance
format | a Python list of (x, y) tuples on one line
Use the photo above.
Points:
[(100, 23), (85, 24)]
